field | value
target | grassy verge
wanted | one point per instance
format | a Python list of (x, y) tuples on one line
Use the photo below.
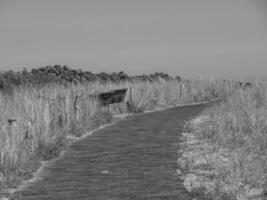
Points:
[(224, 152), (37, 122)]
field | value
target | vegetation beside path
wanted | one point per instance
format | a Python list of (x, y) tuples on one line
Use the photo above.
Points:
[(224, 153)]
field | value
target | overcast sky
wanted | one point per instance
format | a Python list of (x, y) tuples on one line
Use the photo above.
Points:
[(185, 37)]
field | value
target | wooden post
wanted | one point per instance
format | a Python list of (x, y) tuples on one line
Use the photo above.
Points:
[(180, 90), (11, 134), (131, 96), (75, 106)]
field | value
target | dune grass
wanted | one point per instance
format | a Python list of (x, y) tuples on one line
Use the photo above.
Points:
[(35, 122), (238, 126)]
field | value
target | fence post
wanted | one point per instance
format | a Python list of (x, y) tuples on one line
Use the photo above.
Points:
[(131, 96), (180, 90), (75, 106), (11, 134)]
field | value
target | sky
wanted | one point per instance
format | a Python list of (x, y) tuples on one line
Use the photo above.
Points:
[(218, 38)]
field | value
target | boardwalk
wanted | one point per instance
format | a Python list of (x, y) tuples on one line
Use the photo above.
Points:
[(134, 159)]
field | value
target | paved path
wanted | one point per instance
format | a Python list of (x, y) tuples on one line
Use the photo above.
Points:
[(134, 159)]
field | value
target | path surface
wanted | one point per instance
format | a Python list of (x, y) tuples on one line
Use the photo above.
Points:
[(133, 159)]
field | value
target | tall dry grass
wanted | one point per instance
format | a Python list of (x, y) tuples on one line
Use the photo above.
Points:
[(44, 117), (239, 126)]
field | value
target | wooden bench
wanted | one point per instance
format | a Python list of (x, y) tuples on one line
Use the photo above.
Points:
[(111, 97)]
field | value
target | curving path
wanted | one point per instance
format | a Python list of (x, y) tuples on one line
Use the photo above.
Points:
[(133, 159)]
